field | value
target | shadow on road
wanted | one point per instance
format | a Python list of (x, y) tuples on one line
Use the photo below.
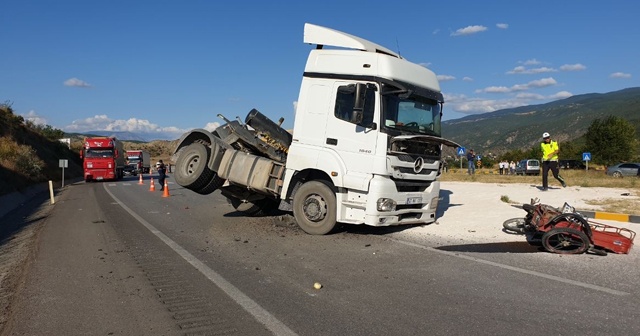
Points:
[(508, 247)]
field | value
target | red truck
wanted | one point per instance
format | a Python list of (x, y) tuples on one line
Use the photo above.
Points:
[(140, 159), (104, 159)]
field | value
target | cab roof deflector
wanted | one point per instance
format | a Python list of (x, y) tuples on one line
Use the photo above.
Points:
[(322, 36)]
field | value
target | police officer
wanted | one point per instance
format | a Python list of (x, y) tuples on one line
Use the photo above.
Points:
[(162, 173), (550, 151)]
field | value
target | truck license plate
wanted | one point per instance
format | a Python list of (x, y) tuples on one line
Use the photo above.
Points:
[(414, 200)]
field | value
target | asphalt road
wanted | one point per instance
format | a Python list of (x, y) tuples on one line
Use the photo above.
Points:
[(117, 259)]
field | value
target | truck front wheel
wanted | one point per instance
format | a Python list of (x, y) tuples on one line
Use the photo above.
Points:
[(314, 208), (191, 167)]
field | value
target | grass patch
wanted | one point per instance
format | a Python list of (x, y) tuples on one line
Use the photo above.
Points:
[(630, 206), (574, 178)]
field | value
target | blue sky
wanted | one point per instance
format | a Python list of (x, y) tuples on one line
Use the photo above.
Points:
[(165, 67)]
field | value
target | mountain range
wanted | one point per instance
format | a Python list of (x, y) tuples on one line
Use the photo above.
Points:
[(522, 127), (515, 128)]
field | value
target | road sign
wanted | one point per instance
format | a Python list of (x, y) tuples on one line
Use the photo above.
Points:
[(461, 151), (479, 158), (63, 163), (586, 156)]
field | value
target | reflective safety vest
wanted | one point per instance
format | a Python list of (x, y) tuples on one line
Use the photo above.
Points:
[(547, 149)]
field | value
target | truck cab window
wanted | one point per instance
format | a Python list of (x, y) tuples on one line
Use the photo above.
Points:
[(345, 102)]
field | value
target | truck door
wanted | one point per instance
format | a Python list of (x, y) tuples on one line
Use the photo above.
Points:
[(353, 140)]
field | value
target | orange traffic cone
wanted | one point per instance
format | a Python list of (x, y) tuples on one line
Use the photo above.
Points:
[(166, 190), (140, 182), (152, 186)]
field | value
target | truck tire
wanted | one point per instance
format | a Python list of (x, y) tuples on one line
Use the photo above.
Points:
[(191, 167), (252, 208), (314, 208), (215, 183)]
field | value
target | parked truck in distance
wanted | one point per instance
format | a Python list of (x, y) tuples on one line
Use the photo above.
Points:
[(103, 159), (140, 161), (365, 149)]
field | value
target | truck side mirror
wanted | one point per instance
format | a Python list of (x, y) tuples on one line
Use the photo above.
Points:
[(358, 107), (82, 153)]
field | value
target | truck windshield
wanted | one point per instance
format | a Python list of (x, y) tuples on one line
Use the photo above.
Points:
[(98, 153), (414, 113)]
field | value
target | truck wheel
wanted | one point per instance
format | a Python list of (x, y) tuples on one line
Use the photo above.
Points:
[(314, 208), (191, 168), (215, 183), (252, 208)]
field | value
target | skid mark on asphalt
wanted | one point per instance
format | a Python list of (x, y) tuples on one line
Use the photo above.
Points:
[(183, 297), (515, 269)]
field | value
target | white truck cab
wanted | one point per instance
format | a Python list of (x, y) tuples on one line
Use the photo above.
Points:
[(366, 144)]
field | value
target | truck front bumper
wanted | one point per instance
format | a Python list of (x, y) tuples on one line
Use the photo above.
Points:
[(402, 207)]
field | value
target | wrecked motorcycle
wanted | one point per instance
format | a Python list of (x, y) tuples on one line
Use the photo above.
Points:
[(565, 231)]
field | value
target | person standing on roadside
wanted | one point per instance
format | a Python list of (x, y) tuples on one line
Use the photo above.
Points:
[(471, 165), (162, 173), (550, 151)]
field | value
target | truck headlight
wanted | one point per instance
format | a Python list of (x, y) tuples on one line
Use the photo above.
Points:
[(386, 204)]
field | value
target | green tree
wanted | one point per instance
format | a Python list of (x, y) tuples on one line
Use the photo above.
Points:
[(611, 140)]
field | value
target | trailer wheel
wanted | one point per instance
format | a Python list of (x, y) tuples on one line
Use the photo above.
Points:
[(565, 241), (514, 225), (191, 167), (314, 208)]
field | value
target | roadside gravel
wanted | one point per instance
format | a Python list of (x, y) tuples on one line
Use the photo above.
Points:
[(19, 231)]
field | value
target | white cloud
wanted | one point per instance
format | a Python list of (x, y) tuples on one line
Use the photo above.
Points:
[(33, 117), (469, 30), (211, 126), (445, 78), (76, 83), (573, 67), (426, 65), (521, 70), (531, 62), (502, 25), (104, 123), (620, 75), (467, 79), (560, 95), (463, 104), (435, 32), (544, 82), (494, 89), (539, 83), (529, 96)]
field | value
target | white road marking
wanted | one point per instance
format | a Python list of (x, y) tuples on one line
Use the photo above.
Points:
[(252, 307), (515, 269)]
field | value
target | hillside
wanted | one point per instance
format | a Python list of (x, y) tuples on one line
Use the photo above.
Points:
[(521, 127), (28, 156)]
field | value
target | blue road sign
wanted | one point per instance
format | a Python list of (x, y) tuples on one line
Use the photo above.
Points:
[(479, 157), (586, 156), (461, 151)]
